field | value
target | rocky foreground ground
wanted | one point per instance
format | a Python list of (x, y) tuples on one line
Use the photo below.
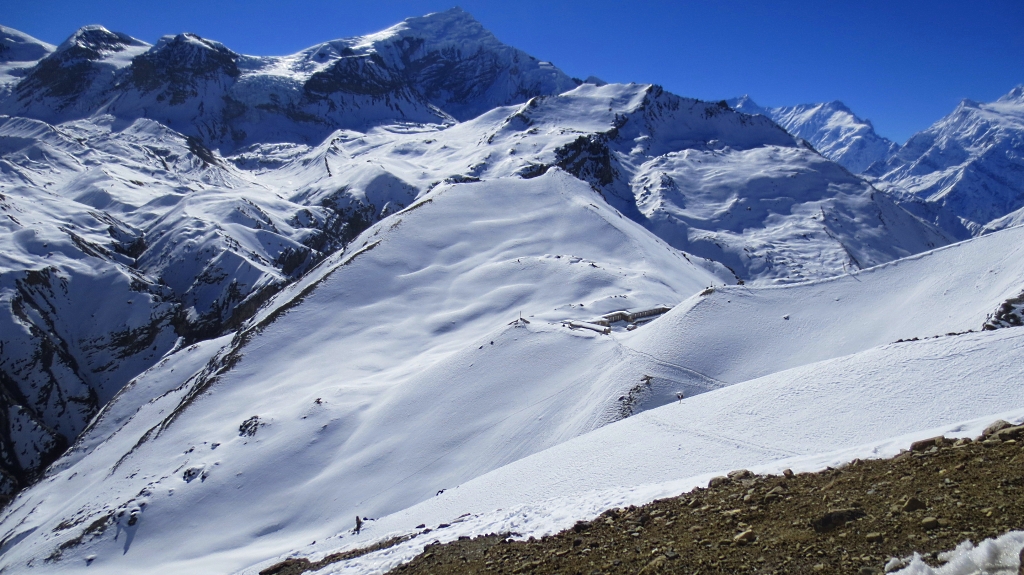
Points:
[(861, 518)]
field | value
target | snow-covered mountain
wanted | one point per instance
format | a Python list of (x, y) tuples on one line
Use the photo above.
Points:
[(438, 68), (832, 128), (346, 280), (968, 166)]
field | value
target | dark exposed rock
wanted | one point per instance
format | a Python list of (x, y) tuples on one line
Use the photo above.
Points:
[(834, 519)]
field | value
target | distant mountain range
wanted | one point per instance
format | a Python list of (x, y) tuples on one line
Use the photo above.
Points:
[(965, 173), (342, 281), (831, 128)]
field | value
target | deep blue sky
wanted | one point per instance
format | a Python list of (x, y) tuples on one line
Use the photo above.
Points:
[(902, 64)]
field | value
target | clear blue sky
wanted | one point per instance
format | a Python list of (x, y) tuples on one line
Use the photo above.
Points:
[(902, 64)]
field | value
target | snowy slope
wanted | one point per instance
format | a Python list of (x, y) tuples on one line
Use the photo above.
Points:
[(854, 392), (117, 242), (710, 181), (866, 405), (402, 382), (397, 416), (832, 128), (298, 281), (968, 164)]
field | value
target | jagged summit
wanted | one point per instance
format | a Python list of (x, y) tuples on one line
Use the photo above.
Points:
[(177, 63), (460, 66), (453, 26)]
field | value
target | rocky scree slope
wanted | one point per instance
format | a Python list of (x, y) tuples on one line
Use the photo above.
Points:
[(865, 517)]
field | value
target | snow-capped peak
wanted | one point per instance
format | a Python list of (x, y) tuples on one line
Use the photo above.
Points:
[(966, 164), (1014, 96), (94, 40), (454, 25), (16, 46), (195, 41), (831, 127)]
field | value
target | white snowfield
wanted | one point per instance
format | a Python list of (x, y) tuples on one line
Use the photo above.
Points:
[(373, 384)]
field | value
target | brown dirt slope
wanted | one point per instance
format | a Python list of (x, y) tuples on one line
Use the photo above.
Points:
[(848, 520)]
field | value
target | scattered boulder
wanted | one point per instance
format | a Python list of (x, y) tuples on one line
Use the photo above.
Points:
[(913, 504), (1008, 433), (995, 428), (718, 481), (925, 444)]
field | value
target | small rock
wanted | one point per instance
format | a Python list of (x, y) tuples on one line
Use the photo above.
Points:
[(867, 571), (929, 523), (740, 474), (745, 537), (913, 504), (788, 473), (1010, 433), (925, 444), (717, 481), (873, 537), (655, 564), (834, 519)]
